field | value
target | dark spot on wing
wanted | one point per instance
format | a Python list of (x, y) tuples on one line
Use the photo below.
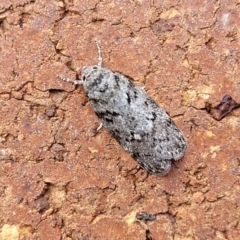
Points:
[(112, 113), (97, 80), (153, 117), (135, 155), (104, 88), (109, 120), (116, 78), (128, 98), (135, 94)]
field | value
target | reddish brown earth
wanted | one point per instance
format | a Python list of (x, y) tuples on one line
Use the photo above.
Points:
[(62, 179)]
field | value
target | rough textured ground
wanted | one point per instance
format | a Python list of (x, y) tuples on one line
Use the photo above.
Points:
[(59, 177)]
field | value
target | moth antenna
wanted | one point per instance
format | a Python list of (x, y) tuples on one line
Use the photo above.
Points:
[(99, 54), (76, 82)]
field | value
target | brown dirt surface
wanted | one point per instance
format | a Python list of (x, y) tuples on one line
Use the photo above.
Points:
[(62, 179)]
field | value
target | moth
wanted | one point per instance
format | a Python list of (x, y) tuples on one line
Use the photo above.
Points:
[(138, 124)]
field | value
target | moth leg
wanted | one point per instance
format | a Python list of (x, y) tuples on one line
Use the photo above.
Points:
[(99, 127), (76, 82)]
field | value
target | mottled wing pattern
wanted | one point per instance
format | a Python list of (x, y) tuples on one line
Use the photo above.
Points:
[(141, 127)]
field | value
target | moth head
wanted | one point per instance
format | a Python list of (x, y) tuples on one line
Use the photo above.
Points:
[(95, 78)]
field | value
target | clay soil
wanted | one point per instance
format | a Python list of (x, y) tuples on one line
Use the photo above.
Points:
[(62, 179)]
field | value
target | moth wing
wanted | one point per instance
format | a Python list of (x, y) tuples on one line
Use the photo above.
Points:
[(171, 141)]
